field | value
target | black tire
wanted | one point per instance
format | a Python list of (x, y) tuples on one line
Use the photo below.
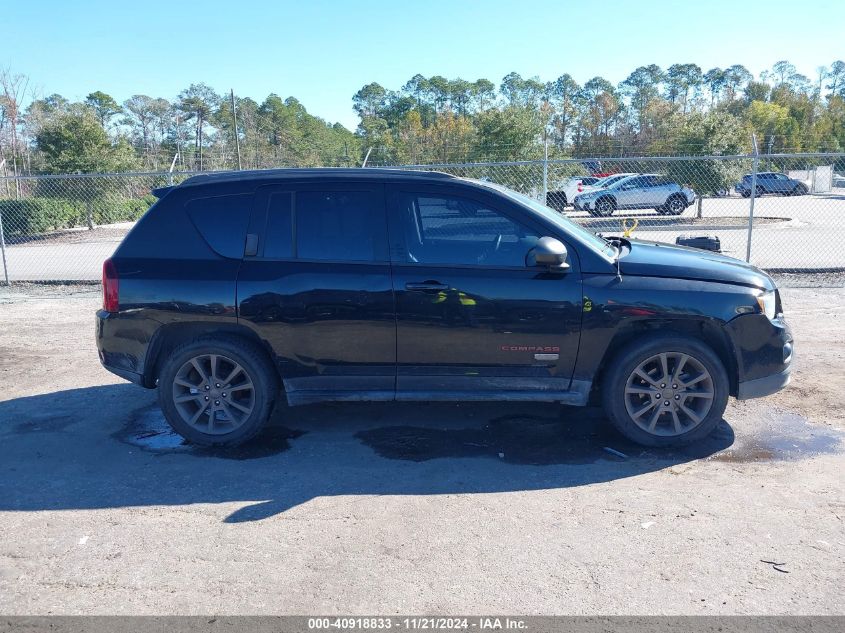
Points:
[(800, 190), (746, 193), (675, 205), (605, 206), (556, 200), (760, 191), (257, 370), (621, 370)]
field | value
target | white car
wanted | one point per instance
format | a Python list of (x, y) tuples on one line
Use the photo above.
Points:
[(560, 198)]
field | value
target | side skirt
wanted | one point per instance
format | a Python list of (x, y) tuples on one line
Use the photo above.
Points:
[(576, 396)]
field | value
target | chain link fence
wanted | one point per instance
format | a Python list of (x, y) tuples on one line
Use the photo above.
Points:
[(787, 216), (781, 212)]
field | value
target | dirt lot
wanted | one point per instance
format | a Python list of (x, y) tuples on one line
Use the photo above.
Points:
[(397, 508)]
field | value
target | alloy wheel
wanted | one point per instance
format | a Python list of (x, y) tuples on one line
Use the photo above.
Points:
[(675, 206), (669, 394), (213, 393)]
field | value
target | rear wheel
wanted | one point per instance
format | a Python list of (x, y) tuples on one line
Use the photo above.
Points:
[(760, 191), (217, 392), (666, 390)]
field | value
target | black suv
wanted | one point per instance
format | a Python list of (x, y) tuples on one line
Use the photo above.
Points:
[(372, 284)]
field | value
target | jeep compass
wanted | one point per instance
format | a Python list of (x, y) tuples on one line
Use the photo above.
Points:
[(238, 290)]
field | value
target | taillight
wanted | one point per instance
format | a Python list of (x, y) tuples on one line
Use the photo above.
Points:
[(580, 187), (111, 286)]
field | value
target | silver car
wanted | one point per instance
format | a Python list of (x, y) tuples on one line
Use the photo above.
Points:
[(645, 191), (772, 182)]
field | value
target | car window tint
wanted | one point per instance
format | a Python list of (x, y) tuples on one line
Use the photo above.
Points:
[(222, 221), (336, 225), (444, 229), (278, 242)]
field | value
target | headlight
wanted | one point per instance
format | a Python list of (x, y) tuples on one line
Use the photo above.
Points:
[(767, 302)]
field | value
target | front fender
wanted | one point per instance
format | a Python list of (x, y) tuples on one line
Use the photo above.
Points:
[(618, 310)]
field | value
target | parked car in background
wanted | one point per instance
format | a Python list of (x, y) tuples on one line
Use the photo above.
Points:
[(838, 181), (646, 191), (771, 182), (607, 181), (236, 290), (563, 197)]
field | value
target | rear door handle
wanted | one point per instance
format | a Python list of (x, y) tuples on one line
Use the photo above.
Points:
[(426, 286)]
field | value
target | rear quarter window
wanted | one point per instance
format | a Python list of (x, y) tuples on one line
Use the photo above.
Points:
[(222, 221)]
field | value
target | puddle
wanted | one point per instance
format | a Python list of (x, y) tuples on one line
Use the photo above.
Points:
[(149, 431), (783, 437), (572, 438)]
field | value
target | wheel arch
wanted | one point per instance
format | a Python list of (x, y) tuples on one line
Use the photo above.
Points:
[(707, 331), (170, 336)]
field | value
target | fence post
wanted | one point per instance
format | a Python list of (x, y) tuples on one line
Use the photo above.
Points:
[(170, 172), (754, 166), (545, 171), (2, 234)]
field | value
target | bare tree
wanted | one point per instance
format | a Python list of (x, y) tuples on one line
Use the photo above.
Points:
[(13, 87)]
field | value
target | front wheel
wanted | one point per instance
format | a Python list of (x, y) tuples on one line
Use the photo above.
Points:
[(665, 390), (217, 391), (605, 207), (675, 205)]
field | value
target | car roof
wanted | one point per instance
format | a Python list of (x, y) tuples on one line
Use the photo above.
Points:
[(271, 175)]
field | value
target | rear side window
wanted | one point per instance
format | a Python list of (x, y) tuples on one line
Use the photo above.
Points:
[(222, 221), (279, 240), (336, 225)]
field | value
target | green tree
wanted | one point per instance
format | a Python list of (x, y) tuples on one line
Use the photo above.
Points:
[(680, 79), (197, 103), (714, 133), (75, 142), (715, 80), (641, 87), (104, 106)]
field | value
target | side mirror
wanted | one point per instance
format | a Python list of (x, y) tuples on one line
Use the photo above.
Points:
[(549, 252)]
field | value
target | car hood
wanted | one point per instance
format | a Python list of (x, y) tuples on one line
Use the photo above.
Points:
[(655, 259)]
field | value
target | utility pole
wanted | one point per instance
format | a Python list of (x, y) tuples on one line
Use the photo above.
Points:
[(235, 124)]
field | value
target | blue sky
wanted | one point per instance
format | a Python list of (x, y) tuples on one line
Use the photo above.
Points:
[(323, 51)]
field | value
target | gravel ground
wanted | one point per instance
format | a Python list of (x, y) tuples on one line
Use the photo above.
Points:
[(409, 508)]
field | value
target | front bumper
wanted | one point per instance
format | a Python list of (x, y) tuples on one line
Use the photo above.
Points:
[(765, 386), (763, 350), (581, 205)]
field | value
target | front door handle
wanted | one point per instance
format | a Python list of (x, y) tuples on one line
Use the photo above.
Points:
[(426, 286)]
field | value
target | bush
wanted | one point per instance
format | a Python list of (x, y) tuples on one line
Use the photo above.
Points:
[(31, 216), (38, 215), (110, 211)]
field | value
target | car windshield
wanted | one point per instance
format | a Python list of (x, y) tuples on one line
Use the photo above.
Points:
[(604, 183), (619, 181), (567, 225)]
